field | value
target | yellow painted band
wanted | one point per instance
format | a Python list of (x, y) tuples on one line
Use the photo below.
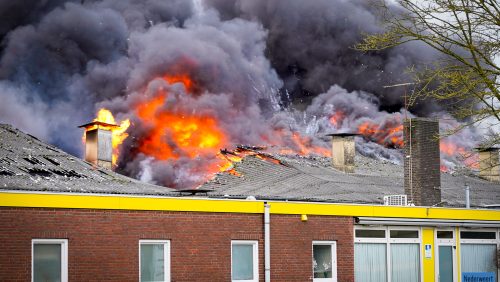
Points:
[(128, 203), (383, 211), (78, 201)]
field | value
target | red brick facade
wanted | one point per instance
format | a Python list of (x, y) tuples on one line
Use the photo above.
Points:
[(103, 244)]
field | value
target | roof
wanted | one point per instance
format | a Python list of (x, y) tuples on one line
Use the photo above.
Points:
[(27, 163), (314, 179)]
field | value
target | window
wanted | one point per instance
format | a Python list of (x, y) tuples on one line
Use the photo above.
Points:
[(384, 254), (370, 262), (49, 260), (477, 235), (370, 233), (244, 261), (324, 261), (478, 251), (154, 260), (445, 234), (479, 258), (404, 233)]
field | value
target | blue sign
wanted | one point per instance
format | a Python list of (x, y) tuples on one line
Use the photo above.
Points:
[(478, 277)]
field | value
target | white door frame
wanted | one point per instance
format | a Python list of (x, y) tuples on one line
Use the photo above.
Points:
[(446, 242)]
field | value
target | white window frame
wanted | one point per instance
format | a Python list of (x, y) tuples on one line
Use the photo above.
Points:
[(478, 241), (255, 254), (333, 246), (64, 255), (388, 241), (495, 241), (166, 255)]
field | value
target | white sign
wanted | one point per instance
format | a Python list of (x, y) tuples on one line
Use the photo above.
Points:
[(428, 251)]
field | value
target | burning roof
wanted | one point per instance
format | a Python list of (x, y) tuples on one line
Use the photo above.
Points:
[(189, 78), (26, 163), (309, 178)]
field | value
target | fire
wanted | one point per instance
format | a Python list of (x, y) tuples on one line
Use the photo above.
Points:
[(180, 78), (237, 155), (391, 135), (453, 150), (337, 118), (119, 133), (174, 135)]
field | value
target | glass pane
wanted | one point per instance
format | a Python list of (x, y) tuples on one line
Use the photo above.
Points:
[(370, 262), (477, 235), (405, 263), (445, 234), (152, 262), (445, 263), (47, 262), (322, 261), (404, 234), (364, 233), (479, 258), (242, 263)]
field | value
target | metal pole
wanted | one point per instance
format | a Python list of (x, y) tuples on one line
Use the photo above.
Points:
[(467, 196), (267, 243)]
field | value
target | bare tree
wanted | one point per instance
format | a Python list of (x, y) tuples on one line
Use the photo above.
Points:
[(467, 35)]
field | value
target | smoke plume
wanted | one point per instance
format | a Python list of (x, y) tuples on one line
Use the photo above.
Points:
[(197, 77)]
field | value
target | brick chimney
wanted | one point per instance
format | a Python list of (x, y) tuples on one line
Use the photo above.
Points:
[(98, 143), (489, 164), (343, 151), (422, 174)]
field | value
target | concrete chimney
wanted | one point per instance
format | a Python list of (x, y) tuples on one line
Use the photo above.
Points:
[(98, 143), (343, 151), (489, 164), (422, 161)]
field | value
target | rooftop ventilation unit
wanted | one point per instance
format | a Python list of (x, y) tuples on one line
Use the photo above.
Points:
[(395, 200)]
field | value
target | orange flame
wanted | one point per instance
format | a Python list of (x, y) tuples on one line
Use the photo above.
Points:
[(119, 133), (450, 149), (337, 118), (390, 136), (171, 136), (180, 78)]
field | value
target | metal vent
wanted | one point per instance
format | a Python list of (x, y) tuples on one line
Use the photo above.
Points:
[(395, 200)]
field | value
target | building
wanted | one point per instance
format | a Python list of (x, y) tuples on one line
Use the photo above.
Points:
[(298, 219)]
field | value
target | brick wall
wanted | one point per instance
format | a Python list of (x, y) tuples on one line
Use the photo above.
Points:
[(103, 244), (422, 168)]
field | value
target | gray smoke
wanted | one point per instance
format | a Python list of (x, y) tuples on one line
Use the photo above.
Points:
[(310, 44), (268, 72)]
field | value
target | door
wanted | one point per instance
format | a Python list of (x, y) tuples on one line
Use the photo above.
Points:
[(446, 255), (445, 263)]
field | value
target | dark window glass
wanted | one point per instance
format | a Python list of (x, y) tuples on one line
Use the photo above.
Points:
[(477, 235), (404, 234), (445, 234), (47, 262), (368, 233), (322, 261)]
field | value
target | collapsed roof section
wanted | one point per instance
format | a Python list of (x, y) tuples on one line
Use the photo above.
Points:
[(314, 179)]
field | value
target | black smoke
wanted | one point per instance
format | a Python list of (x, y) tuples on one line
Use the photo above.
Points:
[(259, 67)]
